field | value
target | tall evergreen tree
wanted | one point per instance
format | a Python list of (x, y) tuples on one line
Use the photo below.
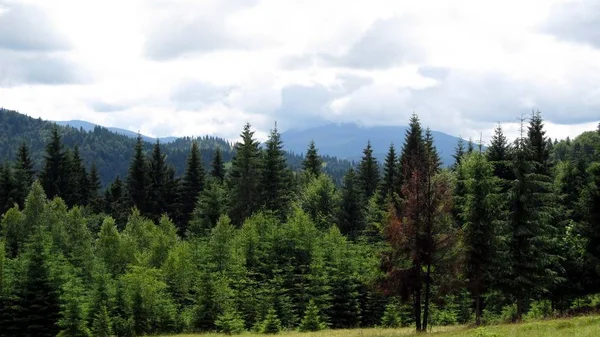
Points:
[(312, 161), (53, 177), (212, 203), (530, 271), (499, 155), (389, 173), (275, 178), (470, 146), (94, 186), (459, 152), (368, 173), (24, 173), (244, 179), (218, 167), (39, 305), (538, 143), (351, 215), (590, 206), (480, 235), (8, 188), (138, 179), (73, 322), (191, 185), (158, 176)]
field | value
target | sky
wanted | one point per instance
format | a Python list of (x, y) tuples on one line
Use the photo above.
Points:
[(191, 68)]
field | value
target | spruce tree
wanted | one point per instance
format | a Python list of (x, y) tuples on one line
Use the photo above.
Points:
[(480, 235), (389, 174), (312, 318), (158, 177), (218, 167), (73, 321), (39, 304), (78, 180), (275, 182), (530, 271), (590, 208), (244, 179), (312, 161), (24, 173), (94, 186), (212, 203), (351, 214), (101, 326), (191, 185), (470, 146), (53, 176), (459, 152), (538, 144), (271, 324), (499, 155), (8, 188), (368, 173), (138, 179)]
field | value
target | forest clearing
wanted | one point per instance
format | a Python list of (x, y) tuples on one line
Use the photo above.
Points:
[(578, 326)]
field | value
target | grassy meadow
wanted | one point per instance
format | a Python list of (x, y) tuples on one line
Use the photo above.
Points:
[(588, 326)]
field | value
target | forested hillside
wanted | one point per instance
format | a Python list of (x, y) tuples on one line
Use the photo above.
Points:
[(508, 233), (111, 151)]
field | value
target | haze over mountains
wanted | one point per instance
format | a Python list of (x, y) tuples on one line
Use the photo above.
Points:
[(342, 140)]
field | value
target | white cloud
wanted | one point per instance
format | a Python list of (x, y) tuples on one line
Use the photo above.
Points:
[(189, 68)]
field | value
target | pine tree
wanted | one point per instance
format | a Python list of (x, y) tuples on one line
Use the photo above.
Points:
[(8, 188), (389, 174), (271, 324), (212, 203), (39, 304), (368, 173), (101, 324), (53, 176), (528, 222), (158, 176), (218, 168), (312, 318), (244, 179), (459, 152), (138, 179), (312, 161), (275, 182), (191, 185), (24, 173), (499, 155), (480, 235), (351, 216), (94, 186)]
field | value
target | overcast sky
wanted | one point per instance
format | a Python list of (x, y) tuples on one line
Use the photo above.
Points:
[(175, 68)]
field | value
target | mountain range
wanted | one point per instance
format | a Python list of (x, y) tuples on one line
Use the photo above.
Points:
[(344, 141)]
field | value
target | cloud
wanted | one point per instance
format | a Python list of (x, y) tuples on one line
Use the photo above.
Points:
[(24, 68), (101, 106), (27, 28), (196, 94), (386, 43), (201, 27), (577, 21)]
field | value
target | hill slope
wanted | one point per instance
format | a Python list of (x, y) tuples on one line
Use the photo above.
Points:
[(87, 126), (347, 140), (111, 151)]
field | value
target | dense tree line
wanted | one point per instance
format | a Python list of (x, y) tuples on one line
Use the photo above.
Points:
[(504, 234)]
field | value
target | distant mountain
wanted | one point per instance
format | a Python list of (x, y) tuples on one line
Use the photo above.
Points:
[(87, 126), (347, 140)]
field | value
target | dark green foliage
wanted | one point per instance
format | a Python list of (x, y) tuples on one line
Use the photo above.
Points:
[(24, 173), (368, 173), (192, 184), (312, 318), (389, 174), (54, 177), (158, 183), (351, 216), (320, 201), (244, 178), (8, 188), (39, 303), (101, 325), (218, 168), (275, 178), (459, 153), (138, 179), (212, 203), (590, 204), (499, 155), (312, 161)]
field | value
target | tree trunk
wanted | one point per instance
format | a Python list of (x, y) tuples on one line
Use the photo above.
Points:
[(477, 307), (520, 307), (417, 303), (427, 295)]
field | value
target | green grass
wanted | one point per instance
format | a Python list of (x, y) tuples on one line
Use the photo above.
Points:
[(588, 326)]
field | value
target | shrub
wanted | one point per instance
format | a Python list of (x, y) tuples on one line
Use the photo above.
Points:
[(312, 319), (271, 324), (391, 315), (540, 309), (230, 322)]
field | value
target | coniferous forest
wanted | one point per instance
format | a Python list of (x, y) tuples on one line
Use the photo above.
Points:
[(245, 240)]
